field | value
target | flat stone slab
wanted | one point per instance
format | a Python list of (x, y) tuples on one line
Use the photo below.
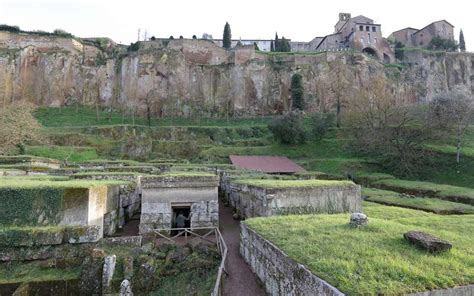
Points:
[(427, 241)]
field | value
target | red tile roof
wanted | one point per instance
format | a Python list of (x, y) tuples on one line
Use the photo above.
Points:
[(267, 164)]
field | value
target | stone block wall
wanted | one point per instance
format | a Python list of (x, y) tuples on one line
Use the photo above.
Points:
[(160, 194), (280, 274), (260, 202)]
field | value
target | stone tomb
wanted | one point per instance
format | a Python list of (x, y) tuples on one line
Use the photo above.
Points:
[(164, 196), (263, 198)]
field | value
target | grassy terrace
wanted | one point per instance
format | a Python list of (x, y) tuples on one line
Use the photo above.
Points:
[(183, 174), (375, 260), (448, 192), (34, 183), (86, 116), (68, 153), (434, 205), (274, 184)]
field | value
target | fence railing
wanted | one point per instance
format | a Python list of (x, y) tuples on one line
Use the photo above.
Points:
[(175, 234)]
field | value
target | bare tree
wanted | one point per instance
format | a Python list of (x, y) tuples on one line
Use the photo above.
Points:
[(382, 124), (18, 126), (339, 79), (453, 111)]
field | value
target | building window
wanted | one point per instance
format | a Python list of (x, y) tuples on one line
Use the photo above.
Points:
[(362, 40), (370, 39), (374, 29), (361, 28), (375, 40), (367, 28)]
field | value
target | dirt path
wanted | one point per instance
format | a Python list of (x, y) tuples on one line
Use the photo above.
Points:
[(240, 280)]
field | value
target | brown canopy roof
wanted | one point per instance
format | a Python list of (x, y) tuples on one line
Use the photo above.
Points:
[(267, 164)]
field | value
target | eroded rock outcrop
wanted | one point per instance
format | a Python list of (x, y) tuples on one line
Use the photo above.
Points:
[(192, 77)]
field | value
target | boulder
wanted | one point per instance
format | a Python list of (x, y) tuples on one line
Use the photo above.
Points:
[(358, 220), (427, 242)]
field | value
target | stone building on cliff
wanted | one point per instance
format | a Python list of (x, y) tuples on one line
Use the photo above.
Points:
[(358, 33), (412, 37)]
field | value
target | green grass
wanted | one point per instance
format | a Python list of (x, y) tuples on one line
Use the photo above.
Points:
[(448, 192), (86, 116), (434, 205), (188, 283), (451, 150), (271, 183), (87, 174), (33, 272), (72, 154), (22, 183), (375, 260), (185, 174)]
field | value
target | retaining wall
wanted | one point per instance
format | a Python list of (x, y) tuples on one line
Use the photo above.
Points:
[(280, 274), (253, 201)]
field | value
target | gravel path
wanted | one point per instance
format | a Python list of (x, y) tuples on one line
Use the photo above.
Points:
[(240, 279)]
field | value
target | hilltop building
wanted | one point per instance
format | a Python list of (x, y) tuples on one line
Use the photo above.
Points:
[(412, 37), (358, 33), (263, 44)]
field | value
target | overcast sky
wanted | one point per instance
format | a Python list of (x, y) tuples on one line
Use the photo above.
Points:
[(299, 20)]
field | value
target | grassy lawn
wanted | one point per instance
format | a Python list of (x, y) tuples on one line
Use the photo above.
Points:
[(271, 183), (72, 154), (375, 260), (434, 205), (21, 182), (448, 192)]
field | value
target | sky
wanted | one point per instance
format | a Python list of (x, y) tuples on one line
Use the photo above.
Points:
[(299, 20)]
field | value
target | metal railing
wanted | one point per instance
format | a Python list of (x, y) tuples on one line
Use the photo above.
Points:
[(209, 232)]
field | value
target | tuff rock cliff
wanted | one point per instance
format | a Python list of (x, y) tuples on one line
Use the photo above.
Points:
[(196, 77)]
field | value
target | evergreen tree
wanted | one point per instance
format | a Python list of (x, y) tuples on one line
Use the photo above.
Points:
[(277, 42), (284, 45), (462, 42), (272, 46), (227, 38), (256, 46), (297, 92)]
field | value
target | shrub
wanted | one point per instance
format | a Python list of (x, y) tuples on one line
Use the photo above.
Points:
[(399, 54), (438, 43), (134, 46), (320, 124), (297, 92), (13, 29), (62, 33), (288, 129)]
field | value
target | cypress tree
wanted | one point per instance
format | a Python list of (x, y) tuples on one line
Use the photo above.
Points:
[(227, 38), (297, 92), (272, 46), (462, 42), (277, 43)]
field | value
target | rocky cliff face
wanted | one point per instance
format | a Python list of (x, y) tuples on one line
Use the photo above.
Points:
[(195, 77)]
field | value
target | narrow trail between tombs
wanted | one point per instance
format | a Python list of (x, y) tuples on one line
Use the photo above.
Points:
[(240, 279)]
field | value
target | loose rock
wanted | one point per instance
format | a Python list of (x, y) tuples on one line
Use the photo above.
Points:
[(125, 288), (358, 220), (427, 241)]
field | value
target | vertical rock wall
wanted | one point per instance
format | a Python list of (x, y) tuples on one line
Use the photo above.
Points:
[(196, 77)]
